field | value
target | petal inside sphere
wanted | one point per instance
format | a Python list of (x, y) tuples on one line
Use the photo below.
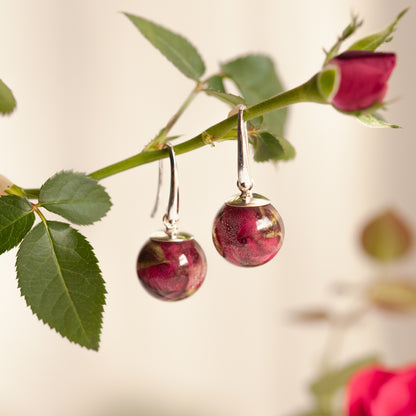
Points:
[(364, 76), (171, 270), (248, 236)]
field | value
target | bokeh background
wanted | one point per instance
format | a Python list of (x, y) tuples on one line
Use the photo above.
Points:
[(91, 90)]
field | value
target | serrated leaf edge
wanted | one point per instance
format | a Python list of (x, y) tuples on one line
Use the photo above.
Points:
[(389, 30), (45, 204), (129, 15), (284, 147), (223, 96), (101, 308), (16, 220)]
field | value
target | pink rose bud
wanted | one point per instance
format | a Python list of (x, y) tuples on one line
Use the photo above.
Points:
[(376, 391), (356, 80)]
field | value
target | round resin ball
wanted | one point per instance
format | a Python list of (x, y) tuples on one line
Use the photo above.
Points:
[(248, 236), (171, 270)]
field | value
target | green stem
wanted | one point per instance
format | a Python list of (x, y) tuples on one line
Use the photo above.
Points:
[(31, 193), (39, 212), (183, 107), (16, 190), (307, 92), (160, 139)]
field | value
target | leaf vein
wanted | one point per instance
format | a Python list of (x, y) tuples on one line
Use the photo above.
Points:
[(60, 274)]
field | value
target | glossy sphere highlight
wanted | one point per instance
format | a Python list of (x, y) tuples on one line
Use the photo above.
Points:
[(171, 270), (248, 236)]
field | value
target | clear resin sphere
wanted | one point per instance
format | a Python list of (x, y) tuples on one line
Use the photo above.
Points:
[(248, 236), (171, 269)]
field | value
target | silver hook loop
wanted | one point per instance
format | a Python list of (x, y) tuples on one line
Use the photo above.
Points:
[(244, 182), (171, 217)]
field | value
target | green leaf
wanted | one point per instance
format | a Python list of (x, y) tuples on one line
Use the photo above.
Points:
[(75, 196), (255, 123), (230, 99), (215, 83), (16, 219), (174, 47), (372, 42), (289, 151), (393, 295), (346, 33), (269, 147), (7, 100), (257, 80), (375, 120), (386, 237), (327, 385), (59, 277)]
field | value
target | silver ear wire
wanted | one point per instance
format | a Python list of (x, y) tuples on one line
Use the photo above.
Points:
[(171, 217), (244, 182), (159, 187)]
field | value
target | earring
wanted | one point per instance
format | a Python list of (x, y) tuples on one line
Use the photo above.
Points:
[(171, 265), (248, 231)]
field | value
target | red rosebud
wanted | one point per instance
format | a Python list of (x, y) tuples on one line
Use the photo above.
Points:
[(356, 80), (363, 77), (376, 391)]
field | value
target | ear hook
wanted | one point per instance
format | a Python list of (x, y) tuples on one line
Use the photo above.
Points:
[(171, 217), (159, 187), (244, 182)]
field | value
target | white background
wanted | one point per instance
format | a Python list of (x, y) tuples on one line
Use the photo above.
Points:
[(91, 91)]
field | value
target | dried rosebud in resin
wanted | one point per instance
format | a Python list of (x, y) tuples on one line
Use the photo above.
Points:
[(171, 269), (248, 234)]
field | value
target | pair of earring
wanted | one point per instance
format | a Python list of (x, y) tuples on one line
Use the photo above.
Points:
[(247, 231)]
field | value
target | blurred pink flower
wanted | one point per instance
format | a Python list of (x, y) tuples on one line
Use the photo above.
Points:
[(377, 391), (363, 78)]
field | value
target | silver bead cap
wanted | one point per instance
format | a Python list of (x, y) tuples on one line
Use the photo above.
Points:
[(252, 200), (176, 238)]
